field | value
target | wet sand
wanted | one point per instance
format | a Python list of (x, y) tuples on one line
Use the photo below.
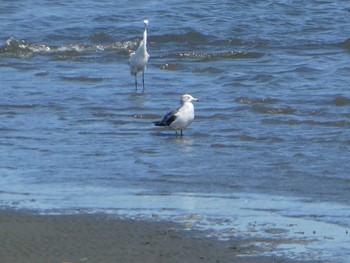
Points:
[(27, 237)]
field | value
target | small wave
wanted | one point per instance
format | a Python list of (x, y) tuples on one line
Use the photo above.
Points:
[(346, 44), (101, 38), (42, 74), (207, 70), (341, 101), (260, 105), (191, 36), (271, 110), (23, 49), (17, 106), (259, 139), (246, 100), (305, 70), (339, 123), (195, 37), (19, 49), (171, 66), (83, 79), (214, 56), (221, 145)]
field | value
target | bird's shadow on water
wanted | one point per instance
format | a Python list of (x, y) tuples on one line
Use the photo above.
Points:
[(139, 93), (182, 140), (138, 98), (175, 138)]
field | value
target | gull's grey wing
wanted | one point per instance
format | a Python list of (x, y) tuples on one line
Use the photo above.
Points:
[(168, 119)]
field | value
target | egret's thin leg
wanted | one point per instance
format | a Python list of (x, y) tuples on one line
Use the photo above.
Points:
[(143, 81), (135, 81)]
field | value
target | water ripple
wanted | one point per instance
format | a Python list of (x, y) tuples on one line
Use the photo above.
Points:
[(272, 110), (214, 56)]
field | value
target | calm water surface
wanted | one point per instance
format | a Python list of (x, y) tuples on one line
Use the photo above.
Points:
[(269, 148)]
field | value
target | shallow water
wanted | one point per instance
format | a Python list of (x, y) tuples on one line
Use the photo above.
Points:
[(269, 143)]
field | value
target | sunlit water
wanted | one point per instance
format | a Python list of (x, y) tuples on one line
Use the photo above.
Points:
[(269, 147)]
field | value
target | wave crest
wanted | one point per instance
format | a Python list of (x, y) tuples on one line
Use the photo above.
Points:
[(23, 49), (214, 56)]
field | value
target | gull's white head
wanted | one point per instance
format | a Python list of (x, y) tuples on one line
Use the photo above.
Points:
[(187, 98), (145, 22)]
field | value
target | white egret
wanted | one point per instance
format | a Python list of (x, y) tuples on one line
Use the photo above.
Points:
[(180, 118), (139, 58)]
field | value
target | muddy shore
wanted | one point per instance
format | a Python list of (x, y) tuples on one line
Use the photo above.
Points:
[(28, 237)]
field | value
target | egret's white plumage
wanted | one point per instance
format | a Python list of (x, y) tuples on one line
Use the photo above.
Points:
[(139, 58), (180, 118)]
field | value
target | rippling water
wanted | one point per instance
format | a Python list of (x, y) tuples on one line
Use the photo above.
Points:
[(271, 133)]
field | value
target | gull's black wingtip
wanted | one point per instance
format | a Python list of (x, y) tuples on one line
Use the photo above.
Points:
[(158, 123)]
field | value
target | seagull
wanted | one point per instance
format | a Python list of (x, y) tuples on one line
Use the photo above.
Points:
[(181, 118), (139, 58)]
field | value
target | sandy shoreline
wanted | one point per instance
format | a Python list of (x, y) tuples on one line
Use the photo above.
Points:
[(27, 237)]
